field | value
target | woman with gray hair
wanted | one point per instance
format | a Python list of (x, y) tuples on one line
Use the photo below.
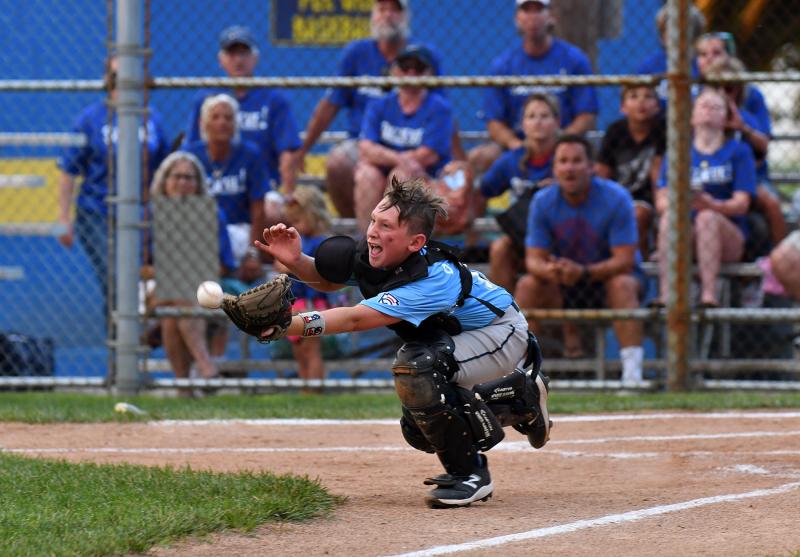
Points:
[(181, 175), (234, 170)]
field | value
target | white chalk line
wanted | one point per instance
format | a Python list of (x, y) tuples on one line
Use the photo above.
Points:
[(556, 418), (630, 516), (508, 446)]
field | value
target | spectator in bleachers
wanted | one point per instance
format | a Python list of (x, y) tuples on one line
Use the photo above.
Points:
[(723, 182), (656, 63), (522, 171), (307, 213), (265, 116), (406, 133), (785, 263), (234, 169), (540, 53), (631, 153), (184, 338), (754, 129), (90, 163), (390, 26), (581, 251)]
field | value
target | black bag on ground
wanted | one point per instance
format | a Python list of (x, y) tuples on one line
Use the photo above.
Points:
[(22, 355)]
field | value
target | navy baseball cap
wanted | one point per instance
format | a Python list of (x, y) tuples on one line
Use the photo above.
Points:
[(402, 3), (236, 34), (545, 3), (417, 52)]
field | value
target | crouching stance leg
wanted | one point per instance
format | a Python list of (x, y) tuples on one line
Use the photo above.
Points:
[(519, 399), (441, 417)]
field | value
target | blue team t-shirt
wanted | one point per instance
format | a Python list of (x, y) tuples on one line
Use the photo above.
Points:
[(265, 119), (430, 126), (584, 233), (505, 103), (91, 160), (505, 173), (236, 181), (363, 58), (438, 292), (729, 169)]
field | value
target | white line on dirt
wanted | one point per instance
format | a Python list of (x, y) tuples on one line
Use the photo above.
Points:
[(631, 516), (508, 446), (557, 418), (690, 437)]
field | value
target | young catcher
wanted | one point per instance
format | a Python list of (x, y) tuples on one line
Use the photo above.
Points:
[(468, 365)]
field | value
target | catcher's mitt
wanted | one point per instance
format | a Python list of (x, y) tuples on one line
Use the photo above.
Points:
[(268, 305)]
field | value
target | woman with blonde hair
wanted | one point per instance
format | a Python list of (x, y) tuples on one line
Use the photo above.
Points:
[(181, 175), (307, 213), (723, 181), (523, 172)]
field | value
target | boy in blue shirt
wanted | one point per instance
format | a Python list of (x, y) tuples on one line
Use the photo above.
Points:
[(463, 335)]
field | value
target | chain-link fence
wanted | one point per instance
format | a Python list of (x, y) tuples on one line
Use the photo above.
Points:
[(56, 136)]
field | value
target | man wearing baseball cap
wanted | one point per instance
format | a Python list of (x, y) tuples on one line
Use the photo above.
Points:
[(539, 54), (390, 27), (265, 116), (407, 133)]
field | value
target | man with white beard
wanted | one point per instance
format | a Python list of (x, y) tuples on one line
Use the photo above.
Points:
[(364, 57)]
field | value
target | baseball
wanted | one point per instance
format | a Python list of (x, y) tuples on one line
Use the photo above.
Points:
[(209, 294)]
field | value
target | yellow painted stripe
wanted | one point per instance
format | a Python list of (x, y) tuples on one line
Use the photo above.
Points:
[(29, 204)]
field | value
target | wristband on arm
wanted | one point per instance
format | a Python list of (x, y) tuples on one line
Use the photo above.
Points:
[(313, 323)]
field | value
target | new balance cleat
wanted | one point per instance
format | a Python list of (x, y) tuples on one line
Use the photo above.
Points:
[(460, 491)]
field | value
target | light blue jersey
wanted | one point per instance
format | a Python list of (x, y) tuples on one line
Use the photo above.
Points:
[(438, 292)]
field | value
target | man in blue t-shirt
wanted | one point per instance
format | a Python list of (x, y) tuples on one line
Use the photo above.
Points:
[(364, 57), (464, 336), (265, 115), (406, 133), (581, 250), (539, 54)]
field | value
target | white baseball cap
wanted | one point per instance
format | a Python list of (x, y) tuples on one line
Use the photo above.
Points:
[(545, 3)]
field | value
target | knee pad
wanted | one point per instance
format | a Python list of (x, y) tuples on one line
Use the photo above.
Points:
[(451, 419), (412, 433)]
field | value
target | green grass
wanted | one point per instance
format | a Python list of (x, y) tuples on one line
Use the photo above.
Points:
[(56, 508), (71, 407)]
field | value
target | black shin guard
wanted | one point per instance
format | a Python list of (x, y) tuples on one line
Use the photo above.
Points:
[(446, 417), (507, 397)]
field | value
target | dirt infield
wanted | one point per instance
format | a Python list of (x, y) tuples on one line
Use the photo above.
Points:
[(627, 484)]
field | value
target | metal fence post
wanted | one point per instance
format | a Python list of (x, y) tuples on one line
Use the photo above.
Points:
[(679, 155), (130, 83)]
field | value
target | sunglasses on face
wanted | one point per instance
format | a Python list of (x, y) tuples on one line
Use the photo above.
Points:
[(412, 65)]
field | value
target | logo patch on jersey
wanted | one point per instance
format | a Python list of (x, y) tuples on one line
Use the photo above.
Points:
[(388, 300)]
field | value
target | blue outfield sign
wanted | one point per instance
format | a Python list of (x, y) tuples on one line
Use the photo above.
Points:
[(319, 22)]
